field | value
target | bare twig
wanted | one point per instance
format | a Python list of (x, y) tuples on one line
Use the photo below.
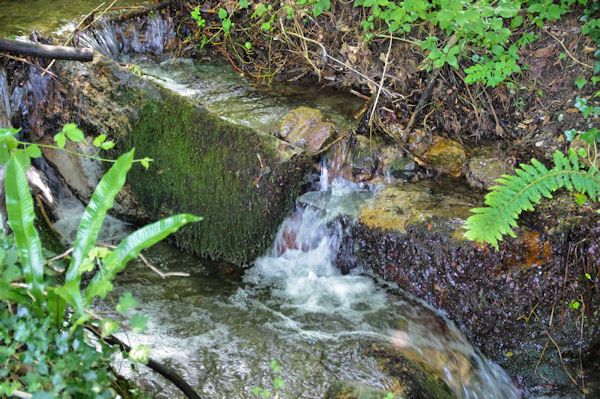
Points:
[(566, 50), (385, 64), (328, 56), (428, 87), (149, 265)]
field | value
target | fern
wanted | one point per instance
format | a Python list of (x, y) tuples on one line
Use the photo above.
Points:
[(521, 191)]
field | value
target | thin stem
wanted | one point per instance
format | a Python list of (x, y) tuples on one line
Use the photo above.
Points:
[(79, 154)]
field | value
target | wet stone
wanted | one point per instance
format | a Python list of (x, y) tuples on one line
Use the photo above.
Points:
[(446, 156), (306, 128)]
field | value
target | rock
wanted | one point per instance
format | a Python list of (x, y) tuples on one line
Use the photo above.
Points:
[(362, 158), (403, 168), (242, 182), (345, 390), (486, 165), (504, 300), (446, 156), (306, 128), (355, 158)]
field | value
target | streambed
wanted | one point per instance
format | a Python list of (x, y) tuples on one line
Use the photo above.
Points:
[(293, 305)]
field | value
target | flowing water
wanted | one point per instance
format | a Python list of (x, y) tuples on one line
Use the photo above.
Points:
[(294, 306), (224, 91)]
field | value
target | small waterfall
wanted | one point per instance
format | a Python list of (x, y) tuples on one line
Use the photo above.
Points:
[(150, 35), (103, 39), (301, 269)]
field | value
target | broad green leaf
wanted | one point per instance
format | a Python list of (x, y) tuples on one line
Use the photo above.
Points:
[(71, 293), (108, 327), (60, 139), (131, 246), (227, 25), (243, 3), (3, 155), (19, 207), (72, 132), (126, 302), (139, 354), (139, 323), (107, 145), (146, 162), (93, 217), (99, 140), (10, 293), (222, 13), (33, 151)]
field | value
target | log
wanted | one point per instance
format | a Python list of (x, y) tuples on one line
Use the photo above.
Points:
[(46, 51)]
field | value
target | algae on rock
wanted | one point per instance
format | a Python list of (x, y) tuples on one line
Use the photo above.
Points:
[(241, 181)]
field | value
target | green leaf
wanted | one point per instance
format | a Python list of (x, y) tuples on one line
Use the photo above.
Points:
[(131, 246), (516, 193), (265, 393), (139, 354), (570, 134), (99, 140), (71, 293), (19, 208), (93, 217), (274, 366), (278, 383), (72, 132), (256, 390), (227, 25), (146, 162), (126, 302), (243, 3), (579, 198), (580, 82), (222, 13), (139, 323), (33, 151), (107, 145), (60, 140), (3, 155)]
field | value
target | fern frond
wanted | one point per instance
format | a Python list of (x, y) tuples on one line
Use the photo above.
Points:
[(519, 192)]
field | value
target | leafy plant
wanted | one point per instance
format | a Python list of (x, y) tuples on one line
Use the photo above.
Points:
[(40, 294), (521, 191), (278, 382)]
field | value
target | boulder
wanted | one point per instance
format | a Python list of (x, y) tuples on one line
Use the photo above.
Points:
[(446, 156), (511, 303), (241, 181), (485, 166), (306, 128)]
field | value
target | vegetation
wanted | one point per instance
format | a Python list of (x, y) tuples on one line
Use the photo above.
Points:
[(43, 347), (519, 192), (477, 33)]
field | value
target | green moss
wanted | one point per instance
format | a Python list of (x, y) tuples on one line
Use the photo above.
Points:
[(211, 168)]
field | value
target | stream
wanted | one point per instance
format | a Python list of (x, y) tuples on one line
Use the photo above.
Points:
[(221, 331), (220, 328)]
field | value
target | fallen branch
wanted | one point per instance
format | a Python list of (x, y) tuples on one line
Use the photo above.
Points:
[(428, 87), (45, 50), (165, 371)]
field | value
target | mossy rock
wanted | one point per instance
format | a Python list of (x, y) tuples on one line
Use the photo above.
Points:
[(242, 182)]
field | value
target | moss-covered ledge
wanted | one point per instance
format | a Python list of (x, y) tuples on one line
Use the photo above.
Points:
[(240, 180)]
